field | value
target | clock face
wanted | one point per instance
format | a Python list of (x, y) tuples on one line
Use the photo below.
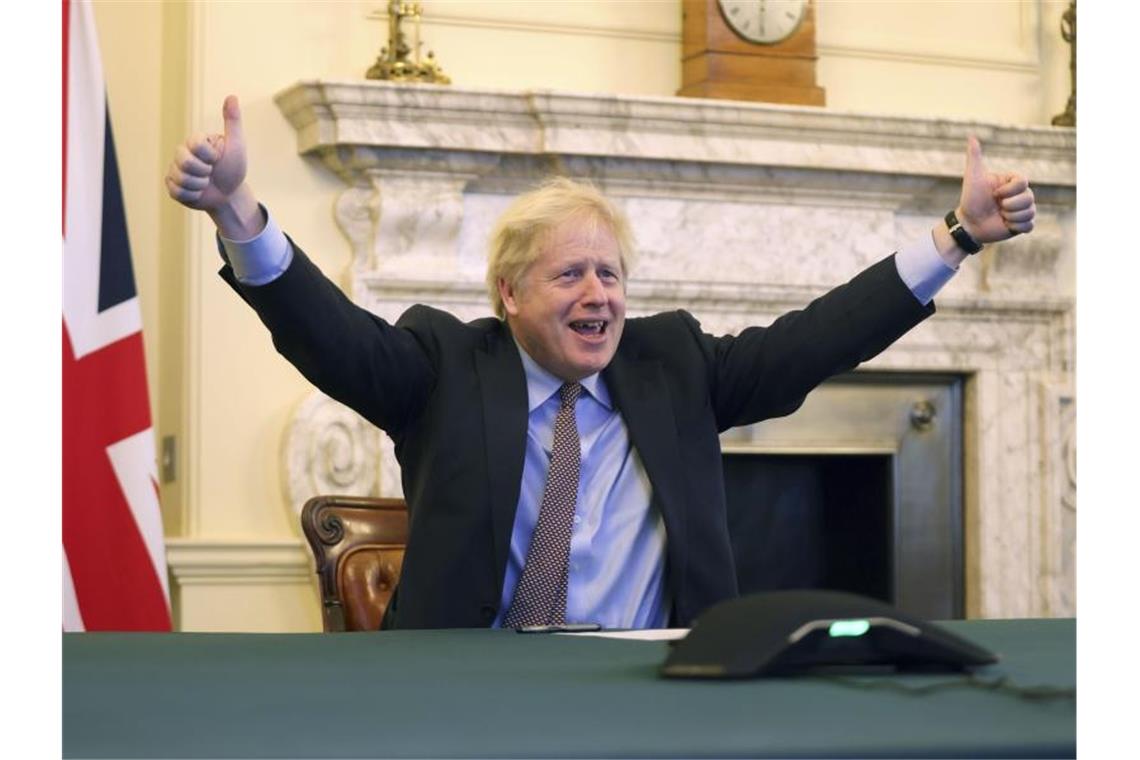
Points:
[(764, 21)]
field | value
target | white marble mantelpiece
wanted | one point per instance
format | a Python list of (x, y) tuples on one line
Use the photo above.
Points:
[(339, 116), (741, 212)]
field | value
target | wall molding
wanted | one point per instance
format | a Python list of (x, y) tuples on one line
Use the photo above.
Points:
[(576, 30), (1026, 63), (214, 562)]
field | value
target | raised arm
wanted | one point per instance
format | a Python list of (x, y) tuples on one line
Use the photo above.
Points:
[(765, 372), (380, 370)]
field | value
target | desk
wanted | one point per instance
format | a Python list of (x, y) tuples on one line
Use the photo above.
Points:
[(497, 693)]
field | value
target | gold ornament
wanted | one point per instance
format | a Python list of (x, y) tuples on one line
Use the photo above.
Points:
[(399, 61)]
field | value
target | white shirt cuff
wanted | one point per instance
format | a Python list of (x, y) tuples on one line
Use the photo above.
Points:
[(261, 259), (923, 269)]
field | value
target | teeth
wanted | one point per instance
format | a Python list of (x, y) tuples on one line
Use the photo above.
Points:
[(594, 326)]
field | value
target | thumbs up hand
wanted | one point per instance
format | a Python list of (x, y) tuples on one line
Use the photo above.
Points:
[(993, 206), (208, 174)]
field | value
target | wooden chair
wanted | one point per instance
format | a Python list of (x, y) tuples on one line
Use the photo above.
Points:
[(358, 544)]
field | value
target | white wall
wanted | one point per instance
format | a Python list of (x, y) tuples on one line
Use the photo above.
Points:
[(216, 383)]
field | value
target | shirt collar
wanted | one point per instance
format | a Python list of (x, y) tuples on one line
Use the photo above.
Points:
[(541, 384)]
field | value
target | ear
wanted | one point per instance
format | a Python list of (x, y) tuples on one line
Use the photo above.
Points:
[(507, 292)]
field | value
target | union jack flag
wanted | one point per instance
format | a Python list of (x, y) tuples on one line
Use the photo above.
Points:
[(114, 565)]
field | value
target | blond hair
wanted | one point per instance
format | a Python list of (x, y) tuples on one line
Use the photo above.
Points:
[(522, 231)]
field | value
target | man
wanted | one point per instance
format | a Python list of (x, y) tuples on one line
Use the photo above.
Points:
[(560, 463)]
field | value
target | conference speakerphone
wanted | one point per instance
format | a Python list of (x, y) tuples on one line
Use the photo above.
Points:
[(784, 633)]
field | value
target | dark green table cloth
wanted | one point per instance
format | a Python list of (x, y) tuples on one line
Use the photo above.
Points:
[(500, 694)]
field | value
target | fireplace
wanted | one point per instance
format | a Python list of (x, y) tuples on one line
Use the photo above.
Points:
[(803, 521), (860, 490), (743, 212)]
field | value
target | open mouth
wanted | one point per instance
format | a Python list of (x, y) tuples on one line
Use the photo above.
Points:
[(589, 327)]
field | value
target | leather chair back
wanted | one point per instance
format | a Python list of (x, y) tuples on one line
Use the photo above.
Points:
[(358, 544)]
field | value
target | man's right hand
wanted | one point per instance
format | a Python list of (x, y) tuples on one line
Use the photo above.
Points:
[(208, 174)]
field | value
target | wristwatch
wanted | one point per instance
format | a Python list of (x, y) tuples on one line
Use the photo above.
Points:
[(964, 240)]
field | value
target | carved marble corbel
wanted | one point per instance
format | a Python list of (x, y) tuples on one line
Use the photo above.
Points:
[(329, 449), (354, 211), (403, 215), (417, 220)]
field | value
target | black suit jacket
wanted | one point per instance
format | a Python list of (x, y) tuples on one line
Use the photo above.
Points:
[(452, 396)]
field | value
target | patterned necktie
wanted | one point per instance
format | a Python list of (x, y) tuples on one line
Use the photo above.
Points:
[(540, 597)]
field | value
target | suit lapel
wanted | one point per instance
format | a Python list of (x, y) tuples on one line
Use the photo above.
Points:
[(503, 390), (642, 395)]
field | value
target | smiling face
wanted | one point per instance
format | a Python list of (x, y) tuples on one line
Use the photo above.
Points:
[(567, 310)]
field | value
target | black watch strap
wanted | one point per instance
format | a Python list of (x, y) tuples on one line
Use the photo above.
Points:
[(964, 240)]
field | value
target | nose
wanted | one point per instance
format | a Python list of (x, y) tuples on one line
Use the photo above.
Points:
[(594, 290)]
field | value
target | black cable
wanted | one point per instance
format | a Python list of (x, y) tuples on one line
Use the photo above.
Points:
[(1002, 684)]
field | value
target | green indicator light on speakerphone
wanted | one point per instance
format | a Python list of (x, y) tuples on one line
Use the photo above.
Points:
[(849, 628)]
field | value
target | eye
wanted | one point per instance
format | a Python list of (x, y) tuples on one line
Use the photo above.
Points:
[(570, 274), (608, 275)]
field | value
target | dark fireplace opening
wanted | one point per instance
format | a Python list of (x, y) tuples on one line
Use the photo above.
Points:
[(814, 521), (860, 490)]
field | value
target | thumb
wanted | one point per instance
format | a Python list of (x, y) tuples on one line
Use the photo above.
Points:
[(975, 164), (231, 115)]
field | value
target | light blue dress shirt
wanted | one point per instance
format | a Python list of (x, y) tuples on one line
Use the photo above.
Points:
[(617, 547), (617, 540)]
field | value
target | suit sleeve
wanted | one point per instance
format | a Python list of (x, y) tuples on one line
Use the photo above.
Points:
[(379, 370), (767, 371)]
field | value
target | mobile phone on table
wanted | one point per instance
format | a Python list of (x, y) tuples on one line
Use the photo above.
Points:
[(560, 628)]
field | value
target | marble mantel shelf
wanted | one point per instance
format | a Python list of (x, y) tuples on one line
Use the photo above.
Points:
[(741, 212), (643, 293), (333, 117)]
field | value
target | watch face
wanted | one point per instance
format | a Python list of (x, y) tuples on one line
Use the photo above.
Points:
[(763, 21)]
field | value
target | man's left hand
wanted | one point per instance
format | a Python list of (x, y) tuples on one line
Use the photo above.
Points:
[(994, 206)]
